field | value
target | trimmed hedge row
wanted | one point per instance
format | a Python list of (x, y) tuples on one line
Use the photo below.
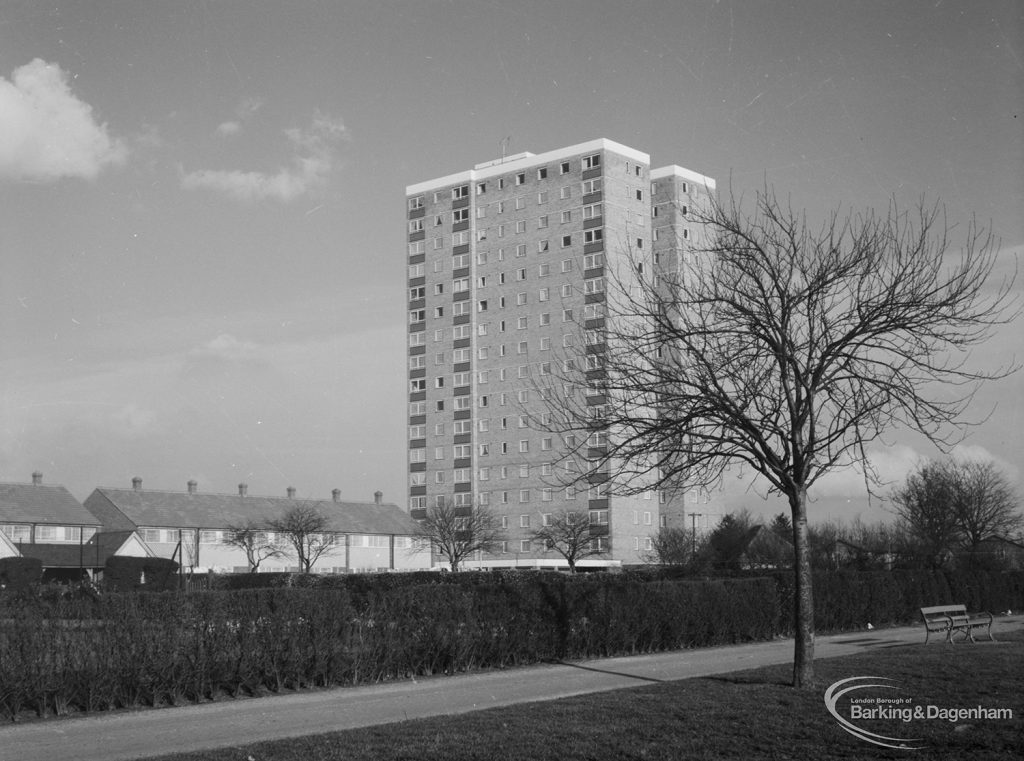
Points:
[(84, 653), (81, 650)]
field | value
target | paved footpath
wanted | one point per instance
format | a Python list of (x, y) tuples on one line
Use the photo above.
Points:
[(142, 734)]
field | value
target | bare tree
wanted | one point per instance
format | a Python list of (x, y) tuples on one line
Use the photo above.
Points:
[(255, 541), (924, 505), (569, 534), (764, 344), (986, 503), (956, 504), (308, 531), (674, 546), (457, 532)]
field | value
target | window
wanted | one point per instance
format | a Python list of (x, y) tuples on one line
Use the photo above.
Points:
[(462, 426), (415, 203), (419, 292), (460, 475), (416, 270), (438, 220), (460, 192), (415, 363), (483, 377), (460, 215), (461, 331), (566, 241), (542, 295), (565, 193), (521, 226), (462, 260), (543, 246), (591, 162), (520, 202), (521, 178), (438, 243), (481, 234), (523, 323), (543, 270), (481, 188), (524, 545), (593, 260), (439, 429), (593, 285), (482, 352), (417, 384), (524, 471), (542, 197), (598, 517), (593, 236), (545, 342), (545, 444), (483, 474), (416, 225), (418, 338), (524, 446), (566, 315), (521, 297), (481, 258), (418, 455), (521, 249), (542, 173), (461, 379), (593, 211), (417, 408), (591, 186), (563, 168), (522, 347), (438, 382), (523, 395), (438, 312), (460, 308), (542, 222), (545, 496), (639, 194), (481, 306)]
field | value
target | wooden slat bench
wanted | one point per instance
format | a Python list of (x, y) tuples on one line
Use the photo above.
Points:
[(955, 618)]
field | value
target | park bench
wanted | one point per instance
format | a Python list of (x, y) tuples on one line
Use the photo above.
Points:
[(955, 618)]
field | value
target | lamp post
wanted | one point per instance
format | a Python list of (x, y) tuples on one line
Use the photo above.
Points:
[(693, 533)]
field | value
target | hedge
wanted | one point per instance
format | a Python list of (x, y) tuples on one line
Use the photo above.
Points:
[(72, 650)]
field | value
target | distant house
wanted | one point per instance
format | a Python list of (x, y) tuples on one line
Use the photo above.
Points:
[(191, 527), (46, 522)]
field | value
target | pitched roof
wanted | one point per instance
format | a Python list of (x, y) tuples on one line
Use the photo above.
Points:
[(172, 509), (91, 554), (36, 503)]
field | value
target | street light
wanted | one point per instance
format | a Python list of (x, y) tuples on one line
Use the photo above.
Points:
[(693, 533)]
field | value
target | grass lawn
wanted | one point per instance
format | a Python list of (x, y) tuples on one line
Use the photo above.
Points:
[(744, 715)]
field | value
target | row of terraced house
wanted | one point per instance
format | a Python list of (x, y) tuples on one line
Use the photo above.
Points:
[(74, 539)]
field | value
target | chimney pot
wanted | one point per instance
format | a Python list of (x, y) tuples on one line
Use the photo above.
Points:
[(37, 478), (378, 497), (291, 492), (137, 483), (243, 489), (192, 485), (336, 495)]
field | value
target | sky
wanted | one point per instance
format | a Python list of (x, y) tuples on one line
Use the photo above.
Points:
[(202, 250)]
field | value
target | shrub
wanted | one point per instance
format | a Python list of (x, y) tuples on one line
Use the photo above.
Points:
[(20, 573)]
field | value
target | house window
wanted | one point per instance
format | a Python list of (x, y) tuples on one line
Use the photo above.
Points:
[(521, 178), (415, 203), (524, 545), (593, 236), (542, 173), (591, 162), (566, 241), (563, 168), (524, 446), (460, 215), (460, 192), (542, 222)]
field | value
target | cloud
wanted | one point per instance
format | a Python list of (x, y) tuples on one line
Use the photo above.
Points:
[(229, 128), (315, 157), (46, 133)]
